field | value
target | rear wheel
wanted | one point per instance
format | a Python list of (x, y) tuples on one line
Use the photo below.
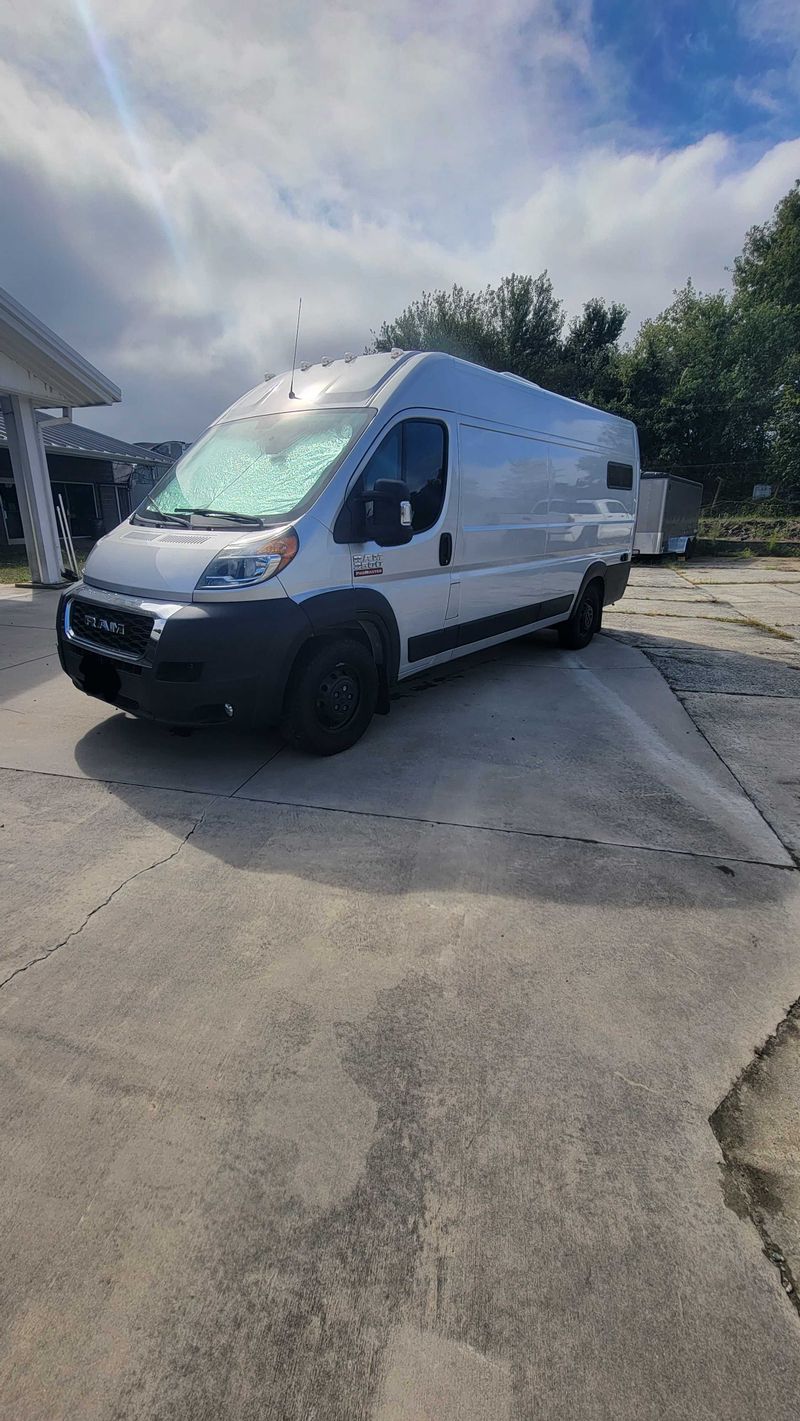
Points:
[(584, 620), (331, 697)]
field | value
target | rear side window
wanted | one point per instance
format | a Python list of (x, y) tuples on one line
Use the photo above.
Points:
[(416, 452), (620, 476)]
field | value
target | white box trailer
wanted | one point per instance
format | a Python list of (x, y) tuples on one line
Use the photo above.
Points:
[(667, 516)]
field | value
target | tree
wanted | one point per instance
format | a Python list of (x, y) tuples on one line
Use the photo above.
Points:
[(526, 320), (785, 448), (588, 352), (766, 301), (454, 321), (713, 382), (768, 270), (515, 326)]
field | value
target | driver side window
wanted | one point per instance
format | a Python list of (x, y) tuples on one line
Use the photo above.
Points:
[(415, 451)]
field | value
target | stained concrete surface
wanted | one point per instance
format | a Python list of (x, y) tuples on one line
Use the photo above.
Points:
[(758, 1125), (739, 679), (758, 736), (562, 747), (377, 1109)]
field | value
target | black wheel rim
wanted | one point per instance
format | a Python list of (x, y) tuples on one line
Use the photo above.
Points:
[(339, 697), (586, 617)]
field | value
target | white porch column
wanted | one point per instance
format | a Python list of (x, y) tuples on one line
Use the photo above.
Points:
[(32, 482)]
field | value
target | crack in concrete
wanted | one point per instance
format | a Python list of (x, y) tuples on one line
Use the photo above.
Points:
[(76, 932), (660, 1094), (754, 695)]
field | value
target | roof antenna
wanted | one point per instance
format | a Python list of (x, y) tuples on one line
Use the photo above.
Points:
[(292, 395)]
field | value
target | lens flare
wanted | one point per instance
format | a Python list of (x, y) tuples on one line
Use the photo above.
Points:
[(131, 127)]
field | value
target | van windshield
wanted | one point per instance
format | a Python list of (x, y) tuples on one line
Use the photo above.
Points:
[(269, 466)]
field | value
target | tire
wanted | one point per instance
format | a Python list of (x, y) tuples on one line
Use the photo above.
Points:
[(584, 620), (331, 697)]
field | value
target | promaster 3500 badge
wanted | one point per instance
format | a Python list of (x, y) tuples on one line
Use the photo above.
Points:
[(367, 565)]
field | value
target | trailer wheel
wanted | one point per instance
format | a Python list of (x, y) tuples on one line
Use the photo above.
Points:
[(331, 696), (584, 620)]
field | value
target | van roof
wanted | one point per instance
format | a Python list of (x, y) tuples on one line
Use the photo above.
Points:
[(351, 380), (427, 379)]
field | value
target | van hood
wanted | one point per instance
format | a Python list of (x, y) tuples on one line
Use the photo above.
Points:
[(158, 562)]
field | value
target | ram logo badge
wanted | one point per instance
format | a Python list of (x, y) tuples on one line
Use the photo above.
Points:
[(105, 624)]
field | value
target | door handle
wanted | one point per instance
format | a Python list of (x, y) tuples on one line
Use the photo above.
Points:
[(445, 549)]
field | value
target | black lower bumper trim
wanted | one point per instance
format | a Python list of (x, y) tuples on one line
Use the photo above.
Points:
[(209, 656), (616, 580)]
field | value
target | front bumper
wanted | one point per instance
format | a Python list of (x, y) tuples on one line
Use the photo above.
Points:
[(202, 663)]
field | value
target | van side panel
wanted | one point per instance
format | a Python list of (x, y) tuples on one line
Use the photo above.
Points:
[(510, 402), (500, 557), (588, 520)]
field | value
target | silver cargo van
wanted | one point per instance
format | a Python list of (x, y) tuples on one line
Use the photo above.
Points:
[(346, 526)]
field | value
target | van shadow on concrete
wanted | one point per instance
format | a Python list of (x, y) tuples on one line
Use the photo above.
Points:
[(524, 740)]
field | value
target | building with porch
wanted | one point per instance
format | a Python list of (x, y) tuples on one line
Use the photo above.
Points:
[(43, 453), (99, 479)]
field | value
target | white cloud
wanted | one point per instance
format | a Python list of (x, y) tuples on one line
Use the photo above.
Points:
[(775, 19), (350, 152), (634, 226)]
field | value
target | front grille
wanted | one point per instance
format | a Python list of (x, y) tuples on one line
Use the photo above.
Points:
[(107, 627)]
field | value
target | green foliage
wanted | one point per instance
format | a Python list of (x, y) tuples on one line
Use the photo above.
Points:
[(768, 270), (516, 326), (589, 354), (785, 453), (713, 382), (678, 384)]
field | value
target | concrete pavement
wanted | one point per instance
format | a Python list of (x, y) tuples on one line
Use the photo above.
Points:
[(379, 1087)]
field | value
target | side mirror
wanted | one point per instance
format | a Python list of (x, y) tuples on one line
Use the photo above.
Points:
[(387, 514)]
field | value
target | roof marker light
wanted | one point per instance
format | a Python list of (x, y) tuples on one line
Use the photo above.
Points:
[(348, 359), (305, 365), (395, 352), (326, 360)]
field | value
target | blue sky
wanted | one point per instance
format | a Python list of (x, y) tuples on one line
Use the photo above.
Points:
[(175, 175), (694, 68)]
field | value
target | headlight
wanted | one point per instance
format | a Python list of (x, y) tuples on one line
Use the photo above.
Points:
[(251, 560)]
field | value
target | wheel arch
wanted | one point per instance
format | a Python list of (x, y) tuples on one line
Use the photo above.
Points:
[(595, 572), (365, 613)]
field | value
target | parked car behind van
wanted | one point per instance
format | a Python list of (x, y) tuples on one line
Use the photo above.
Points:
[(346, 526)]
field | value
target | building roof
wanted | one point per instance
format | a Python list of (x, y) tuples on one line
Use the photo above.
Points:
[(84, 443), (37, 363)]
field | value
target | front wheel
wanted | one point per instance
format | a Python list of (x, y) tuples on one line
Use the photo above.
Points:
[(583, 621), (331, 698)]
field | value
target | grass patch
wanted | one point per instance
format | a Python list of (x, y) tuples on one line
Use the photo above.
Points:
[(740, 620), (745, 533), (14, 566), (683, 616), (765, 627)]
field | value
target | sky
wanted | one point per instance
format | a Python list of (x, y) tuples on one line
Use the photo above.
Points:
[(176, 173)]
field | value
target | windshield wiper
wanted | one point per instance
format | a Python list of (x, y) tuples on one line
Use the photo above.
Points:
[(251, 519), (159, 516)]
